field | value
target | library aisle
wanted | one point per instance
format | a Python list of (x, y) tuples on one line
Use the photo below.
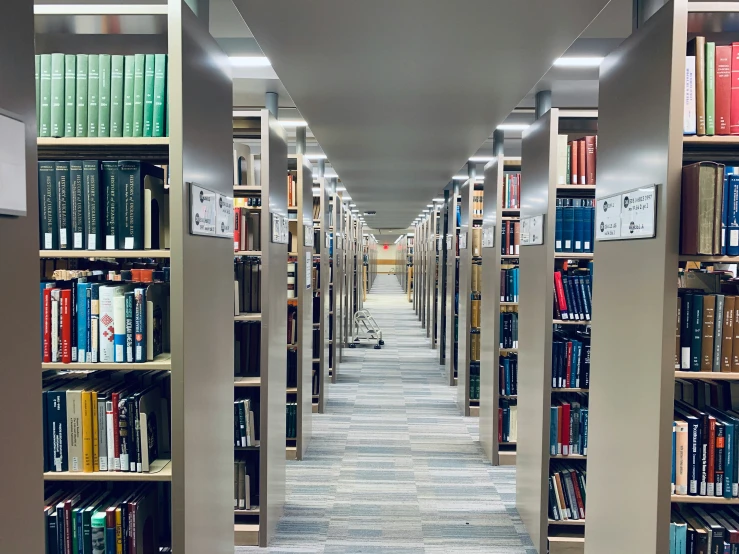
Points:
[(392, 467)]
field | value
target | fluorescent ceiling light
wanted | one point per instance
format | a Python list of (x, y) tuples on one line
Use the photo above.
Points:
[(438, 199), (481, 159), (429, 205), (315, 156), (340, 188), (293, 122), (578, 62), (398, 239), (352, 205), (465, 177), (249, 61), (512, 127)]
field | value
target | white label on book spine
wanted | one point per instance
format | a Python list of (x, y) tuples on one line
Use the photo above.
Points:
[(734, 237), (77, 240), (63, 237), (92, 242), (110, 242), (48, 241), (128, 243)]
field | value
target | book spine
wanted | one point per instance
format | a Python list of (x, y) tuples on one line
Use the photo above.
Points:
[(116, 96), (119, 327), (140, 324), (111, 432), (37, 68), (80, 103), (47, 206), (91, 203), (46, 309), (77, 204), (94, 326), (728, 333), (110, 189), (689, 107), (732, 223), (700, 83), (93, 94), (709, 329), (697, 330), (128, 94), (710, 88), (104, 96), (130, 230), (82, 317), (74, 429), (65, 326), (718, 332), (734, 122), (723, 90), (107, 336), (64, 217), (558, 283), (160, 96), (45, 94), (590, 160), (57, 95), (138, 95), (149, 63), (87, 463), (70, 94), (129, 315)]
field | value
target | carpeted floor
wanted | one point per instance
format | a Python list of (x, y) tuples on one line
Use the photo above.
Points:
[(392, 467)]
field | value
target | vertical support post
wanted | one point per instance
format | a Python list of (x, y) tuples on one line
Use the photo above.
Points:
[(271, 102), (322, 169), (300, 140), (543, 102), (498, 143), (643, 10), (472, 172)]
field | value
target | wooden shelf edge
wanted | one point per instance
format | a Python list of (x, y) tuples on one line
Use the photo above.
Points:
[(246, 534), (161, 362), (104, 253), (710, 375), (567, 522), (102, 141), (161, 470), (247, 381), (684, 499), (248, 317), (247, 253)]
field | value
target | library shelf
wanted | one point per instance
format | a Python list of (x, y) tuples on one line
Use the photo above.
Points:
[(715, 140), (248, 381), (509, 303), (573, 255), (709, 375), (316, 220), (246, 534), (508, 350), (570, 389), (510, 218), (253, 511), (315, 360), (474, 411), (569, 457), (509, 256), (292, 253), (507, 457), (569, 322), (248, 317), (161, 470), (161, 362), (100, 9), (511, 210), (254, 446), (507, 396), (247, 188), (715, 259), (104, 253), (567, 522), (248, 253), (315, 407), (576, 187), (292, 390), (685, 499), (291, 452), (81, 142)]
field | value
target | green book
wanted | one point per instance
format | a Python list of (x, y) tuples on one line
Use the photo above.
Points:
[(160, 97), (116, 96), (70, 97), (45, 90), (710, 88), (128, 85), (166, 110), (138, 95), (149, 95), (57, 95), (104, 96), (97, 528), (37, 62), (93, 90), (80, 115)]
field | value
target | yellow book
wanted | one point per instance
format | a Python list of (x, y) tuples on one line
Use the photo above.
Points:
[(87, 465), (95, 431), (118, 532)]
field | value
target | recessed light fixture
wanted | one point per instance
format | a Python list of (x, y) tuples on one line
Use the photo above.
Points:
[(293, 122), (481, 159), (566, 61), (316, 156), (352, 205), (249, 61), (438, 199), (465, 177), (512, 126)]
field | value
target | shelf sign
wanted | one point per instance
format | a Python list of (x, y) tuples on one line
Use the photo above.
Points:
[(12, 165), (532, 230), (308, 239), (202, 211), (463, 240), (308, 269), (224, 216), (488, 236), (448, 242), (280, 232), (627, 215)]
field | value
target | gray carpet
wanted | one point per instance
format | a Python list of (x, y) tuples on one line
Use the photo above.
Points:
[(392, 466)]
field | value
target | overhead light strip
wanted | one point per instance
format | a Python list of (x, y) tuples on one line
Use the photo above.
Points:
[(249, 61), (567, 61)]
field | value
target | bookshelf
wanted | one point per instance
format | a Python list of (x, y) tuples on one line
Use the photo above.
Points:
[(441, 279), (266, 387), (539, 193), (430, 268), (419, 270), (339, 281), (301, 229), (323, 253), (200, 290), (452, 288)]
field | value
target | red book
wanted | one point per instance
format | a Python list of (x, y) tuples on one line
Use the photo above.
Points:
[(560, 294), (500, 424), (47, 325), (516, 237), (590, 160), (565, 429), (723, 90), (581, 161), (115, 397), (734, 118), (237, 226), (560, 430), (711, 465), (65, 325), (578, 495), (568, 371), (574, 179), (507, 237)]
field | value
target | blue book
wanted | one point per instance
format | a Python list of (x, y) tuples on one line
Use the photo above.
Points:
[(515, 283), (507, 372), (553, 430), (94, 323), (696, 332), (558, 226), (110, 541), (589, 213), (509, 288), (578, 366), (732, 225), (82, 318), (584, 430), (673, 546), (725, 210), (681, 537), (500, 328), (568, 226), (579, 225), (573, 365)]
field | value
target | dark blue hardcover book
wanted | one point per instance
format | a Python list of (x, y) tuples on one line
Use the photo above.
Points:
[(583, 296), (568, 226), (732, 229), (515, 284), (507, 372), (569, 298), (47, 443), (558, 226), (556, 363), (579, 226), (110, 541), (589, 226), (94, 323), (509, 287), (500, 327), (578, 370), (584, 416), (63, 204), (725, 206), (572, 282), (696, 332), (576, 347), (502, 238), (56, 411), (82, 317)]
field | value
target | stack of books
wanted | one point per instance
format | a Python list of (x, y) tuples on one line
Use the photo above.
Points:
[(247, 284), (510, 238), (573, 293), (566, 493), (568, 427), (574, 229), (512, 191), (576, 160)]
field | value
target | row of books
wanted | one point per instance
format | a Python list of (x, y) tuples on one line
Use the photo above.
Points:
[(511, 191), (566, 492), (507, 421), (475, 345), (95, 519), (244, 430), (247, 347), (292, 368), (475, 300), (291, 413), (101, 95), (292, 322), (105, 421), (510, 238), (109, 205), (568, 427), (509, 283), (508, 374), (709, 218), (476, 275), (292, 269), (576, 160), (316, 207), (574, 226), (570, 360), (246, 166), (292, 190), (474, 386), (247, 231), (242, 485), (87, 319), (316, 345), (573, 295), (247, 284), (697, 529), (508, 329), (709, 108), (477, 197)]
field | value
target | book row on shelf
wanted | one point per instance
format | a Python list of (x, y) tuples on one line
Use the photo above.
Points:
[(511, 194), (242, 485), (474, 380), (244, 430), (510, 237), (292, 367), (509, 283), (508, 374), (695, 529), (247, 284), (291, 421), (573, 294), (571, 359), (292, 189), (247, 348), (574, 229), (566, 492), (568, 429), (292, 268), (576, 160), (108, 205), (102, 95), (91, 316), (247, 230), (508, 329), (507, 421), (105, 421), (477, 202)]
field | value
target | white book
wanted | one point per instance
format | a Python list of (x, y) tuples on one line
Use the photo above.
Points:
[(561, 160), (513, 422), (74, 429), (102, 436), (149, 331), (251, 440), (689, 113), (110, 429), (681, 460), (106, 322), (119, 327), (55, 302)]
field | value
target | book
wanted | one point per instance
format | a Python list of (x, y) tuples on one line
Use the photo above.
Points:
[(116, 95), (110, 203), (138, 95), (77, 204), (70, 95), (690, 122), (93, 215), (45, 95), (57, 95), (131, 178), (710, 90), (702, 191), (93, 94), (128, 94), (149, 63), (37, 74), (722, 84), (160, 95), (104, 95), (81, 95), (48, 206), (697, 48), (63, 204)]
